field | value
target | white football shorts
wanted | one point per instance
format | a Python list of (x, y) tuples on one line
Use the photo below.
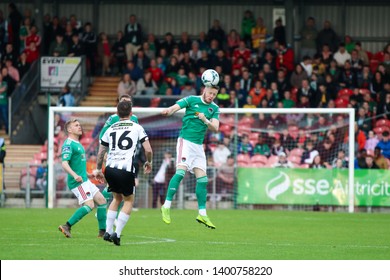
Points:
[(190, 155), (86, 191)]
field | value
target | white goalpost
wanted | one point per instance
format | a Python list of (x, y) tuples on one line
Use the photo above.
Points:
[(154, 112)]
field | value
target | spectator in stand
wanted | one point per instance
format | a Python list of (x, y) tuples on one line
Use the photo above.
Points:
[(347, 77), (34, 37), (317, 163), (245, 147), (370, 163), (41, 177), (58, 124), (77, 47), (189, 89), (225, 177), (14, 21), (341, 56), (261, 148), (309, 153), (308, 39), (68, 34), (32, 53), (157, 73), (297, 76), (3, 103), (133, 70), (104, 53), (258, 34), (326, 55), (221, 154), (362, 53), (287, 100), (349, 43), (11, 83), (23, 66), (247, 23), (277, 146), (119, 52), (66, 98), (356, 62), (327, 151), (203, 41), (57, 47), (360, 138), (380, 160), (195, 53), (280, 32), (216, 32), (13, 72), (364, 123), (154, 44), (89, 39), (283, 162), (9, 54), (305, 90), (384, 145), (126, 86), (233, 40), (173, 66), (327, 36), (372, 141), (340, 161), (141, 60), (241, 52), (168, 43), (185, 42), (132, 37), (364, 78), (146, 86), (224, 62), (307, 65), (360, 160), (284, 58), (383, 109)]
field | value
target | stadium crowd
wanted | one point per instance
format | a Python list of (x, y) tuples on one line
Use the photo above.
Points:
[(258, 68)]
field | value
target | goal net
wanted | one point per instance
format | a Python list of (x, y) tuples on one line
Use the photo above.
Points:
[(259, 158)]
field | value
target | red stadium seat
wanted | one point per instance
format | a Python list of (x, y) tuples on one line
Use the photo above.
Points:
[(345, 93), (380, 129), (86, 141), (155, 102), (259, 159), (40, 156), (243, 159), (246, 120), (244, 129), (296, 160), (256, 164), (370, 55), (225, 129), (382, 122), (364, 91), (227, 119), (294, 94), (272, 160), (341, 103), (297, 152)]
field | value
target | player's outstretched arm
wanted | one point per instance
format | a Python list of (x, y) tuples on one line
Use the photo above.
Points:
[(69, 170), (171, 110)]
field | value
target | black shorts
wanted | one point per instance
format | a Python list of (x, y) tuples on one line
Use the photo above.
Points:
[(120, 181)]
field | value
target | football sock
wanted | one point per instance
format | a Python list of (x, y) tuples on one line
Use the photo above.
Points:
[(167, 204), (102, 215), (174, 184), (122, 220), (106, 194), (79, 214), (201, 192), (110, 221)]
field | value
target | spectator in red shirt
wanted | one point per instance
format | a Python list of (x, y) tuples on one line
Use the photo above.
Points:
[(285, 58), (33, 37), (32, 53), (242, 52), (104, 51), (157, 73)]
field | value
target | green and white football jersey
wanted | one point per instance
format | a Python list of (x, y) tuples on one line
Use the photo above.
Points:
[(193, 129), (74, 153)]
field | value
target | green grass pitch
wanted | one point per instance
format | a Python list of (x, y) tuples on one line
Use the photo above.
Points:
[(32, 234)]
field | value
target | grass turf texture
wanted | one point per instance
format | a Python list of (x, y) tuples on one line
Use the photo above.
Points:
[(240, 235)]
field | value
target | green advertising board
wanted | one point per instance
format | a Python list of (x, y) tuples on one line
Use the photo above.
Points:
[(311, 186)]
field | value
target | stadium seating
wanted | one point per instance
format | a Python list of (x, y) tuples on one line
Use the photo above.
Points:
[(297, 152), (296, 160), (243, 159), (272, 160), (155, 102), (225, 129), (40, 156), (246, 120), (259, 159), (86, 141), (382, 122)]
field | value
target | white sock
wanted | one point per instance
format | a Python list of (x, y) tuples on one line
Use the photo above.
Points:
[(167, 204), (111, 215), (122, 220), (202, 212)]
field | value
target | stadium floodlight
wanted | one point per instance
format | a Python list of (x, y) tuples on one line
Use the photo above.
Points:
[(168, 129)]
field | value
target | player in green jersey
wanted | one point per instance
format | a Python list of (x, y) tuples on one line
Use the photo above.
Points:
[(75, 164), (201, 113)]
